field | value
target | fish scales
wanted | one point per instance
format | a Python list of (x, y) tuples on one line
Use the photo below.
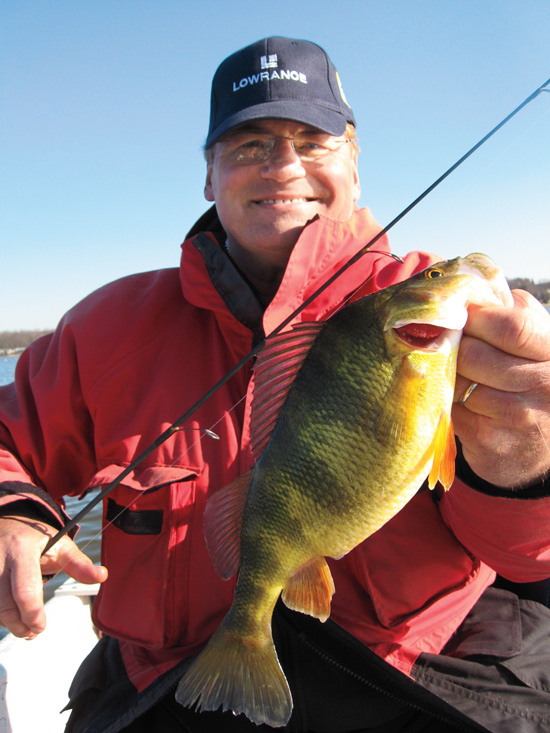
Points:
[(327, 443), (365, 422)]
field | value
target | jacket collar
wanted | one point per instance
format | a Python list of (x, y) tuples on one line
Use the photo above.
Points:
[(323, 247)]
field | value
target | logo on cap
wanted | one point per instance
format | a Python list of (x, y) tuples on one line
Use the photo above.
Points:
[(270, 63)]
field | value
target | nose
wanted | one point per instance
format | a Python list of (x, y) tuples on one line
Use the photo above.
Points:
[(283, 163)]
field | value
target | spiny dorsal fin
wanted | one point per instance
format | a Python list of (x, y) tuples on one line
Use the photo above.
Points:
[(222, 525), (310, 589), (274, 372)]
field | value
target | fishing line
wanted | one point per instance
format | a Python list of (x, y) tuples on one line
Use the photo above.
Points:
[(206, 432), (513, 142), (175, 426)]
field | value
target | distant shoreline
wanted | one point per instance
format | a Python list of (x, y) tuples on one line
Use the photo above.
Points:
[(12, 343)]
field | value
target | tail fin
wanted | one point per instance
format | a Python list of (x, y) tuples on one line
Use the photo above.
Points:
[(236, 675)]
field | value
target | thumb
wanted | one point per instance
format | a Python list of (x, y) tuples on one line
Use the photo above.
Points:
[(65, 556)]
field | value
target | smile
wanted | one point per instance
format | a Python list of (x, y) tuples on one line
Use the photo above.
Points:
[(284, 201)]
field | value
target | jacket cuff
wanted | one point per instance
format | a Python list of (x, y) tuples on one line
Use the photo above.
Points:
[(20, 499), (463, 471)]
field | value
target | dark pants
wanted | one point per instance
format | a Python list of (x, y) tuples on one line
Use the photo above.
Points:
[(165, 717), (497, 668), (494, 671)]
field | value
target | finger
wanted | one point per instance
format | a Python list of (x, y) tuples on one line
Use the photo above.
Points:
[(479, 361), (27, 615), (506, 408), (67, 557), (504, 437), (21, 596), (522, 331)]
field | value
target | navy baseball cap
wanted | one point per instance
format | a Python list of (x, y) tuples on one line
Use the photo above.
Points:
[(278, 78)]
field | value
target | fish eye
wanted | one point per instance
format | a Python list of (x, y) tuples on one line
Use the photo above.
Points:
[(434, 272)]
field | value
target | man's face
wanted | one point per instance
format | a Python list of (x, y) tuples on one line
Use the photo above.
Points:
[(263, 206)]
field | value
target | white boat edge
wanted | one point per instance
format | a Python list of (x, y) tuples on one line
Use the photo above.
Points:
[(35, 676)]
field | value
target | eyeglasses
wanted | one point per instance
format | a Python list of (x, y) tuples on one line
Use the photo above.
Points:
[(257, 148)]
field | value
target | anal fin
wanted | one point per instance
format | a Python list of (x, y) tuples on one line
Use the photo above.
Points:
[(310, 589)]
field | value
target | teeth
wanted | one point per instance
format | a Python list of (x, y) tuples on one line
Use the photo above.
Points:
[(283, 201)]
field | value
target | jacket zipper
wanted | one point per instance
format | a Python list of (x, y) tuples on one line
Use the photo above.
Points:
[(438, 716)]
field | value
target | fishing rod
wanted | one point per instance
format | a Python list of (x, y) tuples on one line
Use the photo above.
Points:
[(357, 256)]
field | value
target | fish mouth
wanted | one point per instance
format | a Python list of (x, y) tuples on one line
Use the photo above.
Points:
[(421, 335)]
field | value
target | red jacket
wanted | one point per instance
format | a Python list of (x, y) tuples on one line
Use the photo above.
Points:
[(131, 358)]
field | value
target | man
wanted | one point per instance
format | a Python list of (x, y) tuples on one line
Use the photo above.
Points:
[(127, 361)]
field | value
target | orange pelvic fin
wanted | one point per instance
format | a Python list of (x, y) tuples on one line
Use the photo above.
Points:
[(310, 589)]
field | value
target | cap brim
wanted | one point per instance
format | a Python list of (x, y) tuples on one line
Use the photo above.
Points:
[(331, 121)]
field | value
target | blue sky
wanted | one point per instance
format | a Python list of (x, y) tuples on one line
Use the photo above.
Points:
[(104, 108)]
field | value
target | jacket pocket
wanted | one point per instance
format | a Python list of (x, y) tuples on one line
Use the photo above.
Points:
[(145, 522)]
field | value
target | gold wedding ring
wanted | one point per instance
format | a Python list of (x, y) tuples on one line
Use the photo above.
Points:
[(468, 393)]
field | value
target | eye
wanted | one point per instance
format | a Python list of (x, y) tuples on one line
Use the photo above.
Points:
[(252, 144), (433, 273), (307, 145), (252, 150), (242, 145)]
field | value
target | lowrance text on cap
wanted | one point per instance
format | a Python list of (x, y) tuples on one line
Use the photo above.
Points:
[(278, 78)]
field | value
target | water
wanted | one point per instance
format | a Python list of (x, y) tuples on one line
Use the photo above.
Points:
[(7, 368), (88, 538)]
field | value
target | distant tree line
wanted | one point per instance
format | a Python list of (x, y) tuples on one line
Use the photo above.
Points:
[(541, 290), (19, 339)]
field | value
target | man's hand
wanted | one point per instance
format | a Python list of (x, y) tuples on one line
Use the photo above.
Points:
[(504, 425), (22, 541)]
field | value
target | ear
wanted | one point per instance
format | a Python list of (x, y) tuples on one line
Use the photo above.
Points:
[(208, 190)]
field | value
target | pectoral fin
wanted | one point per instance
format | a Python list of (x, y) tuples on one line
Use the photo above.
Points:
[(444, 453)]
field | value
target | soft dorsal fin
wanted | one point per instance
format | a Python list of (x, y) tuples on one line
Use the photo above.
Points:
[(310, 589), (222, 525), (278, 363)]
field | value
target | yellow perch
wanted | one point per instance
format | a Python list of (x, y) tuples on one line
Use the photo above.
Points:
[(349, 418)]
